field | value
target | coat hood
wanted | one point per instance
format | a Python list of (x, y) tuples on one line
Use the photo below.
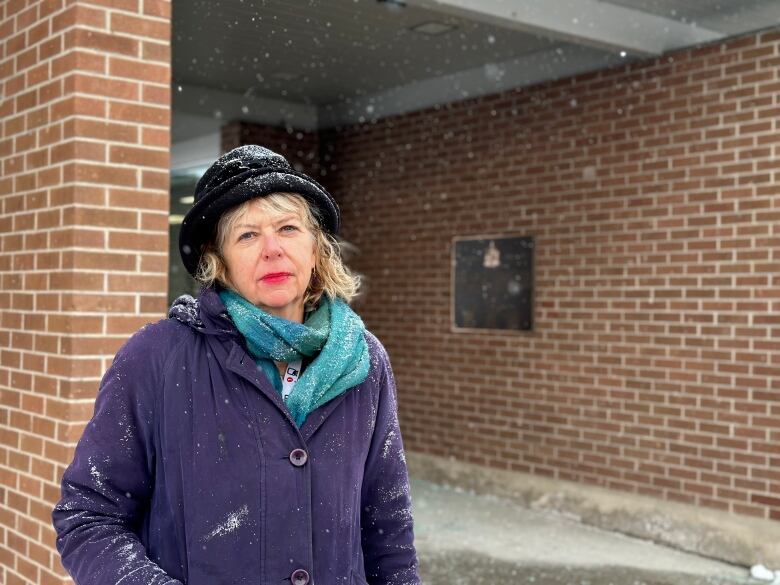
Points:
[(206, 314)]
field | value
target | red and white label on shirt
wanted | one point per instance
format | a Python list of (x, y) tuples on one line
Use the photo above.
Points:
[(290, 377)]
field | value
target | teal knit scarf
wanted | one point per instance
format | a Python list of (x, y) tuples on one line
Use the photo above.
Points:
[(332, 334)]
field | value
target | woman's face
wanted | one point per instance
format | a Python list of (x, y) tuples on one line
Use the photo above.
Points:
[(269, 261)]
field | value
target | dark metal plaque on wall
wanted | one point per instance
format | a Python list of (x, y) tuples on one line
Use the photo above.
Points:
[(493, 282)]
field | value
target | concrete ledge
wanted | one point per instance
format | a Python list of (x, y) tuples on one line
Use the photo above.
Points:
[(736, 539), (466, 568)]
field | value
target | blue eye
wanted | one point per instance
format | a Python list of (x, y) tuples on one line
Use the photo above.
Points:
[(241, 237), (291, 228)]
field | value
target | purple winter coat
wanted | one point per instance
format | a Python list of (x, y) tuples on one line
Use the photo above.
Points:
[(192, 471)]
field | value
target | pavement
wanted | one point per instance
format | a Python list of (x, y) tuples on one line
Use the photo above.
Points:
[(468, 539)]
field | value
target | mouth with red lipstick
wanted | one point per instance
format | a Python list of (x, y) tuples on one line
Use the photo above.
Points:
[(275, 277)]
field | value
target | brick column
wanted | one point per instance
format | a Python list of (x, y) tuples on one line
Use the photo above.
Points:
[(85, 113)]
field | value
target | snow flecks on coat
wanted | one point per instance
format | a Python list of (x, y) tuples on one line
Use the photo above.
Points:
[(388, 495), (127, 435), (128, 553), (223, 452), (97, 476), (185, 309), (211, 443), (232, 523), (388, 444)]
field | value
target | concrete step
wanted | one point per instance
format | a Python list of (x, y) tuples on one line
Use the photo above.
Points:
[(469, 539)]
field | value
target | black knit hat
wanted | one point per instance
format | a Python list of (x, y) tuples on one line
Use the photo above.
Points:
[(244, 173)]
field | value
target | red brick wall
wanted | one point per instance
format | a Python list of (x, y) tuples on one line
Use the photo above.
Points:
[(300, 147), (84, 153), (652, 192)]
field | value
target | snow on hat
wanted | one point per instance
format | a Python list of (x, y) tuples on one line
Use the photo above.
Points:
[(244, 173)]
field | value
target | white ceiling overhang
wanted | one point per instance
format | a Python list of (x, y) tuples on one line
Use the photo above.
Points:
[(590, 23), (329, 63)]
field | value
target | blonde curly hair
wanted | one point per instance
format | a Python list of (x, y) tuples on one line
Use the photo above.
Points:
[(331, 275)]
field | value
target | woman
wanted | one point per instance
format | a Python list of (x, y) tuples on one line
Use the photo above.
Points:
[(252, 437)]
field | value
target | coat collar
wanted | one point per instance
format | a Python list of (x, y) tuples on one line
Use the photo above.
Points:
[(207, 315), (241, 363)]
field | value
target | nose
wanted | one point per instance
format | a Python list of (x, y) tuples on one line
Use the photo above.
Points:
[(271, 246)]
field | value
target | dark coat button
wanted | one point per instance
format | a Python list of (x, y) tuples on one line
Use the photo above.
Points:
[(298, 457), (299, 577)]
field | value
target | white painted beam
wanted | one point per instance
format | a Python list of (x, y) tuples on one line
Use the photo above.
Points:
[(195, 152), (591, 23), (487, 79), (225, 106)]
